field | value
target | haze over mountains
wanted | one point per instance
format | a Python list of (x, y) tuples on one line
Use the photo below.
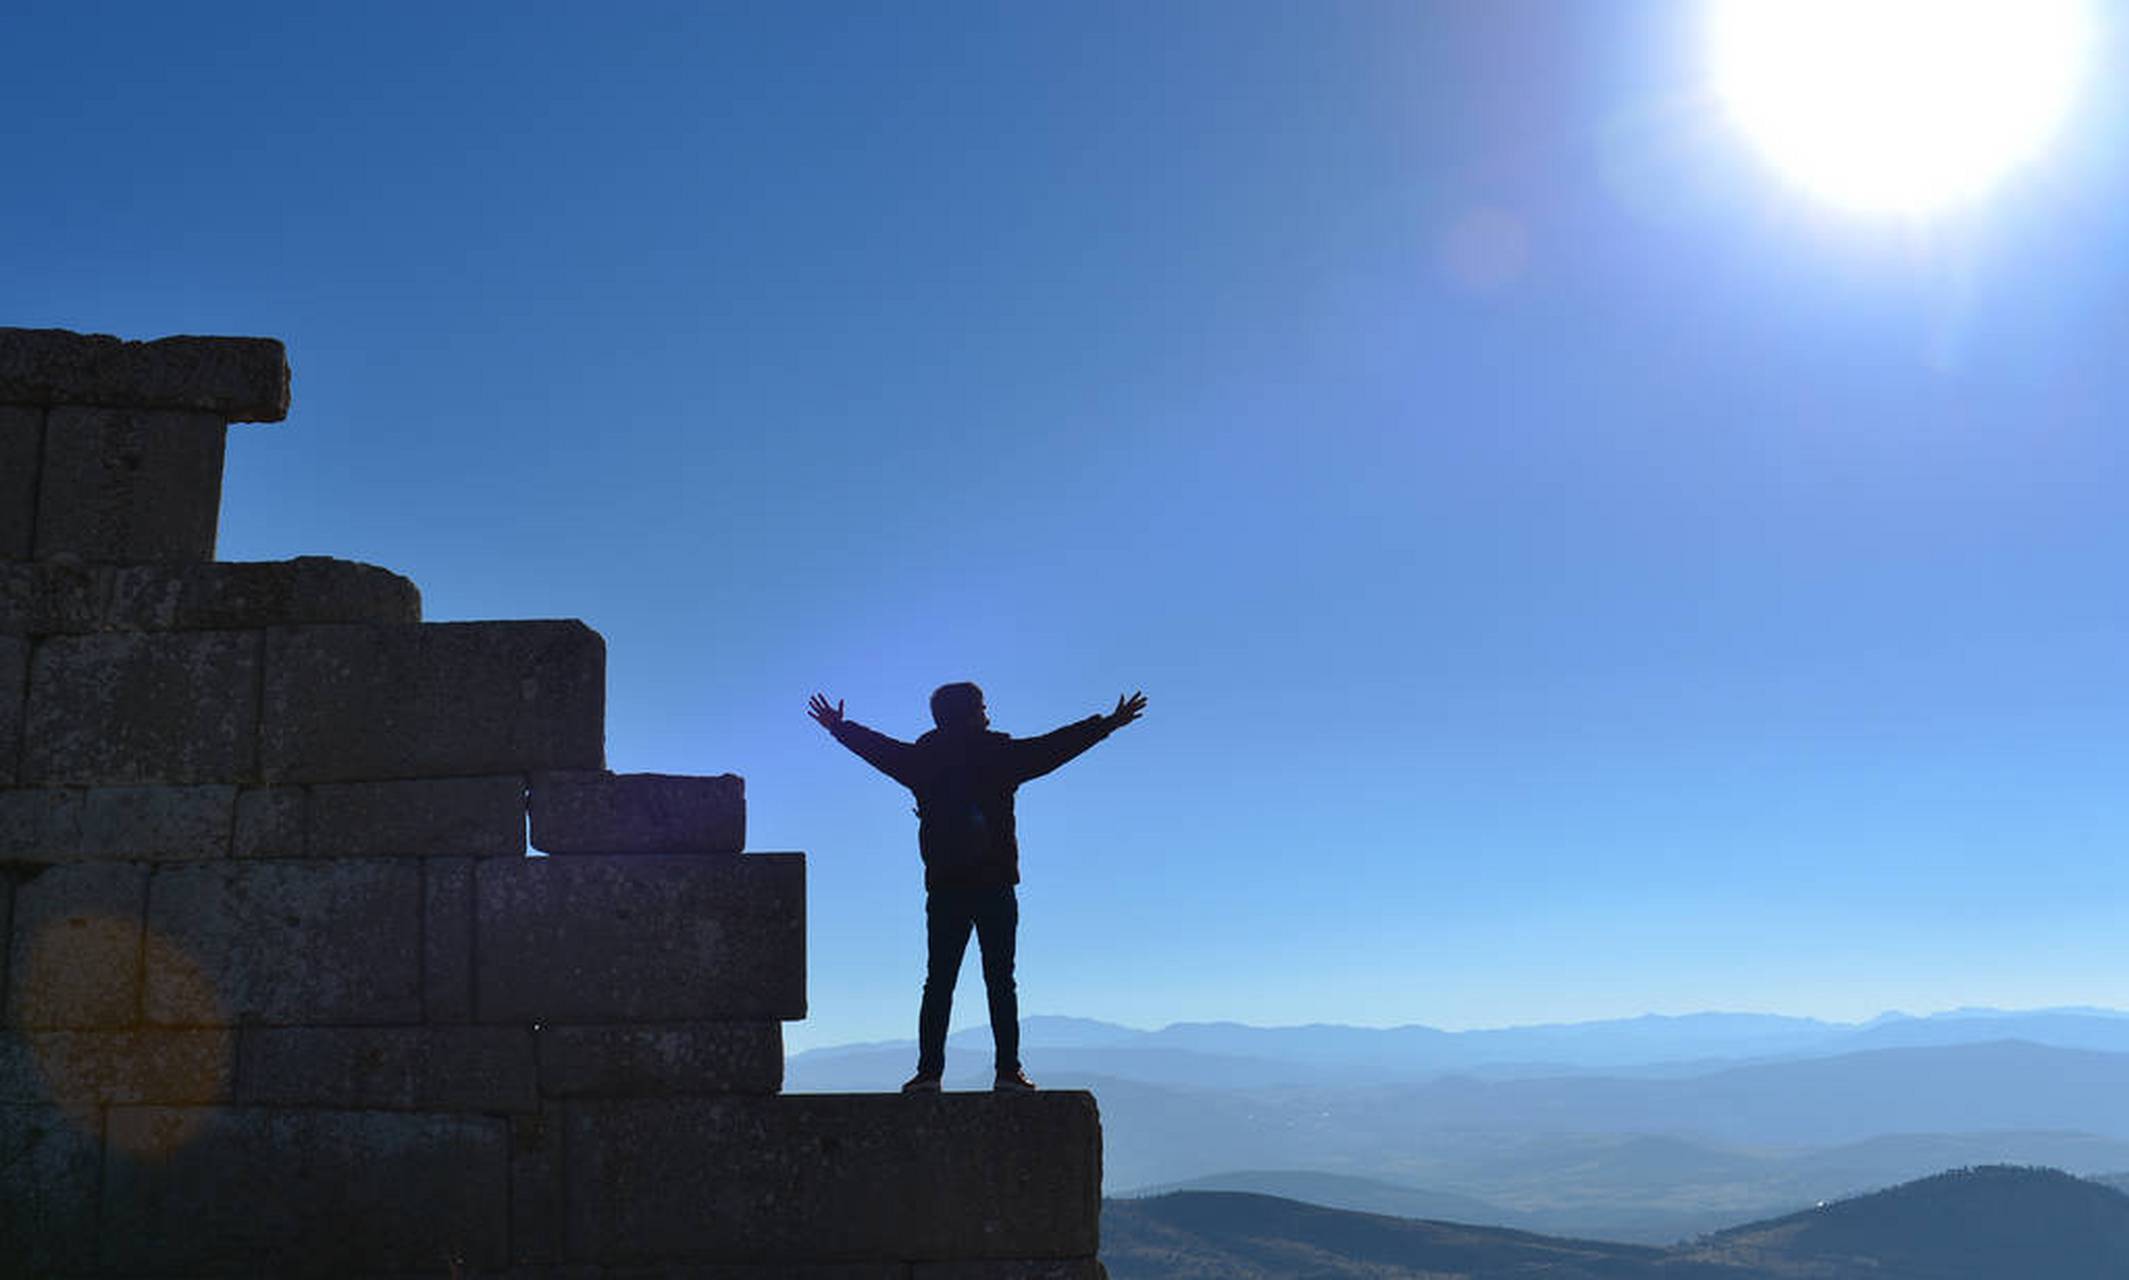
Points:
[(1645, 1130), (1989, 1223), (1238, 1055)]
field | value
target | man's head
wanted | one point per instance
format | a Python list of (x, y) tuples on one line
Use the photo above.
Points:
[(959, 706)]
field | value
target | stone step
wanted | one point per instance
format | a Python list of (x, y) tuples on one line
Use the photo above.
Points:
[(47, 599), (435, 817), (451, 699), (640, 938), (291, 942), (111, 451), (303, 704), (236, 379), (833, 1177), (501, 1069), (638, 813), (421, 818), (951, 1187), (128, 486)]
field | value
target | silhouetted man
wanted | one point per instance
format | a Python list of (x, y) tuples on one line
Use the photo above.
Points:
[(964, 773)]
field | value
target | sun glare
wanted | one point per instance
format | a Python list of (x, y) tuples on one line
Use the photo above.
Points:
[(1899, 106)]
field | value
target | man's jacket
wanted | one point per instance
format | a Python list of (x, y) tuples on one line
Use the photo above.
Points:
[(964, 784)]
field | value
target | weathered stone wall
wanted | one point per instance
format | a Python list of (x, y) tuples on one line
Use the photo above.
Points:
[(281, 992)]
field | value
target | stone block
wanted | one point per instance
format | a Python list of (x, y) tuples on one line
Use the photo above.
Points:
[(74, 946), (537, 1220), (142, 708), (447, 939), (638, 813), (640, 938), (763, 1272), (155, 823), (304, 591), (53, 597), (48, 1170), (79, 1071), (7, 929), (303, 1193), (527, 1271), (21, 449), (66, 598), (236, 379), (130, 486), (1012, 1269), (41, 824), (455, 699), (835, 1177), (14, 690), (439, 816), (388, 1068), (656, 1061), (283, 943), (271, 822)]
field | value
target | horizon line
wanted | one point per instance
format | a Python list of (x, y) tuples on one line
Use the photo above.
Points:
[(1957, 1011)]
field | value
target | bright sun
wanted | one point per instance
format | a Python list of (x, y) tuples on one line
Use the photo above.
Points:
[(1899, 106)]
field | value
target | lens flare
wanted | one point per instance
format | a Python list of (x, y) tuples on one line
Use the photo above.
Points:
[(1899, 106)]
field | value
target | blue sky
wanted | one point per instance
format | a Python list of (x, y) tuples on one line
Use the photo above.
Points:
[(1573, 573)]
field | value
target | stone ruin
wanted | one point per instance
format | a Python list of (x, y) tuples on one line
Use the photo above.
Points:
[(281, 992)]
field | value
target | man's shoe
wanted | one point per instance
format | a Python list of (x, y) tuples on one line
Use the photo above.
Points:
[(921, 1083), (1016, 1082)]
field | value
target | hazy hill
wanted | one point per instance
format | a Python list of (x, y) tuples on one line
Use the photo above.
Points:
[(2101, 1030), (1959, 1088), (2002, 1085), (1227, 1235), (1645, 1190), (1994, 1223), (1470, 1135), (1344, 1191), (1970, 1224)]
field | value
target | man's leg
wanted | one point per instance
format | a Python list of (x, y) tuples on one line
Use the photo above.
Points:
[(997, 923), (946, 925)]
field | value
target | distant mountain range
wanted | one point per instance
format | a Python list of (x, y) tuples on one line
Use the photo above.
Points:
[(1232, 1055), (1989, 1223), (1227, 1235), (1711, 1131)]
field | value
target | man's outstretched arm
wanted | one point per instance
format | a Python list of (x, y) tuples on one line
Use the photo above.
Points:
[(1033, 757), (890, 756)]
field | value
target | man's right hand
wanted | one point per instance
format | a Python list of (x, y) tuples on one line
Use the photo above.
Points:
[(831, 714), (1127, 710)]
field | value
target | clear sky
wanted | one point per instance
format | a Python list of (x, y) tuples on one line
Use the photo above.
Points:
[(1575, 572)]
